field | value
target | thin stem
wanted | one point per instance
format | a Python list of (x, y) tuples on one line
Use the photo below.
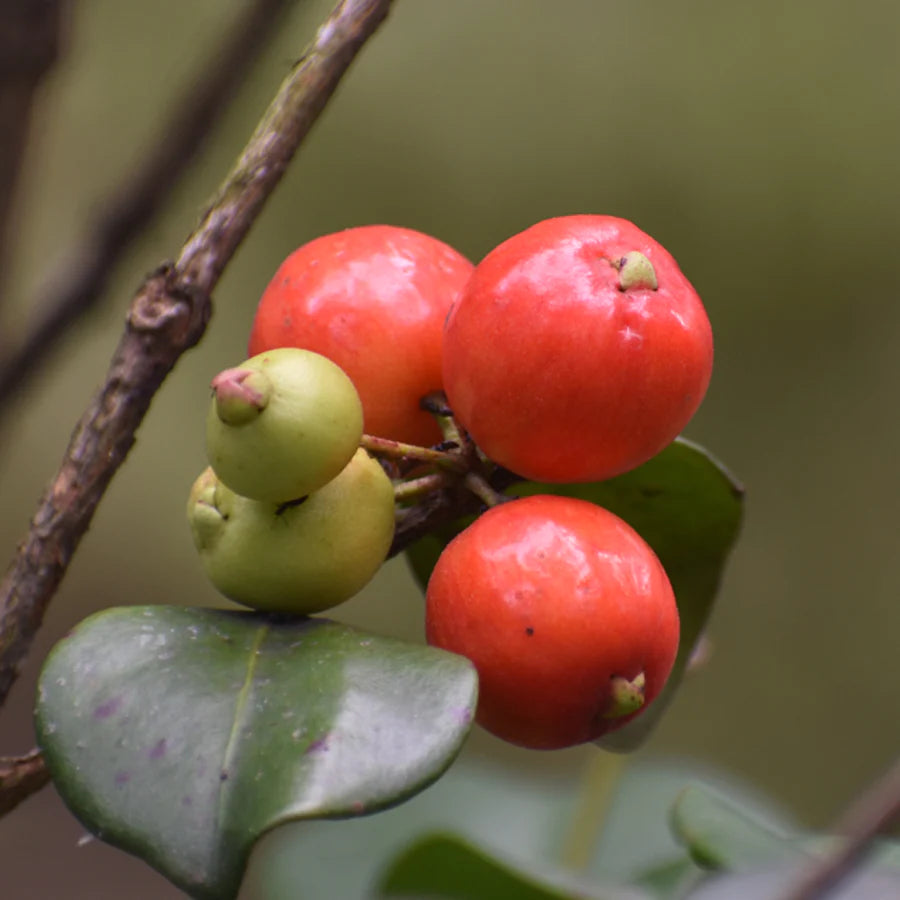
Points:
[(20, 777), (168, 316), (29, 44), (442, 507), (416, 488), (436, 404), (379, 446), (483, 490), (870, 815), (78, 279), (602, 776)]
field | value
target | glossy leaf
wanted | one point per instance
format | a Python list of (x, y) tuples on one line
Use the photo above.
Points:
[(688, 508), (720, 835), (183, 735), (518, 813), (446, 866)]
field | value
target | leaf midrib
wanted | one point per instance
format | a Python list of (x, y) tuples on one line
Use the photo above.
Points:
[(232, 745)]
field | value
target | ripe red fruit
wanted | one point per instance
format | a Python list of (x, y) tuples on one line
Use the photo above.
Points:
[(373, 300), (566, 613), (577, 351)]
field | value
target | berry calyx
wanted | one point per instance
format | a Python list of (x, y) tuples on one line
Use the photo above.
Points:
[(282, 424), (636, 271), (241, 395), (625, 696)]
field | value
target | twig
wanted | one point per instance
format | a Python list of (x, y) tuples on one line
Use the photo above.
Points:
[(81, 274), (29, 44), (20, 777), (378, 446), (444, 506), (483, 490), (871, 814), (415, 488), (167, 317)]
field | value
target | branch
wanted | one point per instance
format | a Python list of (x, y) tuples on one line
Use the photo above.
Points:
[(444, 506), (870, 815), (29, 44), (20, 777), (167, 317), (81, 274)]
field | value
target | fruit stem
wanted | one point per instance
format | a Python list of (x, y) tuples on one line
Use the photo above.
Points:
[(436, 404), (602, 776), (481, 489), (405, 491), (379, 446)]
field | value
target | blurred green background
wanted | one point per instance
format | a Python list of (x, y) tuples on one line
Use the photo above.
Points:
[(758, 142)]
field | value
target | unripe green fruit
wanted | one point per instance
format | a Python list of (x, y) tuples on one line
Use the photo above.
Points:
[(298, 557), (282, 424)]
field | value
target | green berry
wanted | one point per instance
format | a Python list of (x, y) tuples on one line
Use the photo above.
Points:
[(299, 557), (282, 424)]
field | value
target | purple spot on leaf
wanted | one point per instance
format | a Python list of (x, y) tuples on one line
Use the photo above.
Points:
[(187, 801), (319, 745), (105, 710), (122, 778), (158, 750)]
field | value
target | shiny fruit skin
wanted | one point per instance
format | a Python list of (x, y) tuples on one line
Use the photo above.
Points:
[(308, 430), (374, 300), (557, 372), (301, 557), (550, 598)]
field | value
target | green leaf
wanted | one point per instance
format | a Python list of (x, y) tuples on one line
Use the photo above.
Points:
[(422, 556), (183, 735), (670, 878), (688, 507), (721, 835), (446, 866)]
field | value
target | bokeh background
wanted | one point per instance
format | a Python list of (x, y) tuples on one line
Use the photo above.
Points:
[(758, 142)]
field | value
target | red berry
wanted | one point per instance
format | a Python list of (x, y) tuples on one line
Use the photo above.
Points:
[(577, 351), (373, 300), (566, 613)]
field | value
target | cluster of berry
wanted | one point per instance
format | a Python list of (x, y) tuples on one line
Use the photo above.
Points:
[(573, 352)]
